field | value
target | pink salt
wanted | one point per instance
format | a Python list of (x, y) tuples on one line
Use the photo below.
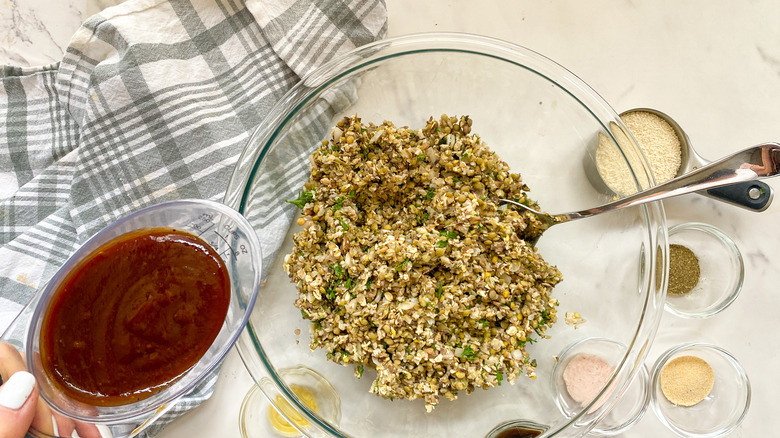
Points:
[(585, 375)]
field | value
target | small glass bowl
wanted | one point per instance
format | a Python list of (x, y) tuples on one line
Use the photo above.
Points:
[(518, 429), (721, 411), (722, 271), (254, 417), (631, 405)]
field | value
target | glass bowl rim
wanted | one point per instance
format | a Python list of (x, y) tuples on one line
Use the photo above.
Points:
[(317, 80), (642, 378), (251, 394)]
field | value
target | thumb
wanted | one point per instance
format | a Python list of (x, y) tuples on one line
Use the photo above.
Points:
[(18, 398)]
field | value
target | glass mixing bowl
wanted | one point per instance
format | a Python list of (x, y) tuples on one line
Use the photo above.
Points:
[(540, 119)]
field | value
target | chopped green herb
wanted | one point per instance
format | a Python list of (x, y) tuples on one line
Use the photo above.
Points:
[(521, 344), (439, 290), (402, 264), (421, 158), (499, 377), (430, 194), (304, 198), (348, 284), (330, 293), (369, 282), (304, 315), (482, 323), (337, 206), (442, 243), (351, 194), (442, 140), (468, 353), (448, 234), (344, 225), (360, 371), (338, 271)]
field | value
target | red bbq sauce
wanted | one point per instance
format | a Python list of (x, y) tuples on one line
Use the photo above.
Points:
[(133, 316)]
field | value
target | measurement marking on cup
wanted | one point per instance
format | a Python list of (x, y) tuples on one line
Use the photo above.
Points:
[(200, 232), (229, 247)]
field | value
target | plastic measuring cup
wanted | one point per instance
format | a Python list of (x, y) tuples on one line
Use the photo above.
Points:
[(229, 233)]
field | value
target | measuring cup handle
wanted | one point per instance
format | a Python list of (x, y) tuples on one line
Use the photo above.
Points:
[(751, 195)]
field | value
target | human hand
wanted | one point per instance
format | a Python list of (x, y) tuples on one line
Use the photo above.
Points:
[(21, 408), (18, 394)]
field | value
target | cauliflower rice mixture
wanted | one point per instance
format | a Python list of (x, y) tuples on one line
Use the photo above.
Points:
[(407, 263)]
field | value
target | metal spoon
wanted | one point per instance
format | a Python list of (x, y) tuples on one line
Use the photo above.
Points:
[(757, 162), (751, 195)]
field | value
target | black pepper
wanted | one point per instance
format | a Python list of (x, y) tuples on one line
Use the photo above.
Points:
[(684, 270)]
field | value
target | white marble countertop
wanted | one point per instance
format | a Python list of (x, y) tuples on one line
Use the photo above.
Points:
[(714, 66)]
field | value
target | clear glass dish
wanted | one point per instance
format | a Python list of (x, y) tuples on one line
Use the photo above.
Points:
[(540, 119), (721, 411), (254, 418), (627, 410), (722, 271), (229, 234)]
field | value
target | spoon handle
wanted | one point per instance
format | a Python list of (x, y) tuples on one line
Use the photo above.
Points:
[(757, 162), (752, 195)]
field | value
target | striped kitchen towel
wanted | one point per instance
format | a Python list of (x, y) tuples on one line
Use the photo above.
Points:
[(152, 101)]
